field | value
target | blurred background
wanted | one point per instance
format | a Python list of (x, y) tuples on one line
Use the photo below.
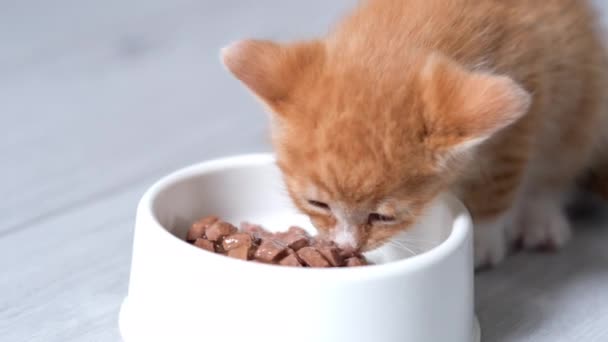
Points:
[(98, 99)]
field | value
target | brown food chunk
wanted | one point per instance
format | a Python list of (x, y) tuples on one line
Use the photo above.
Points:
[(295, 247), (218, 230), (237, 240), (205, 244), (270, 251), (323, 243), (312, 257), (240, 252), (257, 231), (295, 238), (347, 253), (355, 261), (331, 254), (289, 240), (298, 230), (197, 230), (291, 260), (296, 242)]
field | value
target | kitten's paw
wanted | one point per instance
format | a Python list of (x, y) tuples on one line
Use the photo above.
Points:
[(544, 227), (490, 244)]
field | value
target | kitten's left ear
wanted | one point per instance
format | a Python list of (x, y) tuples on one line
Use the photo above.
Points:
[(463, 108), (271, 70)]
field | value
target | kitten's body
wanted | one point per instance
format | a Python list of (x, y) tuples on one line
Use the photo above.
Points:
[(400, 102)]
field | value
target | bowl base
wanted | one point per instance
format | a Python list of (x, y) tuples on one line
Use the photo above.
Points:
[(127, 334)]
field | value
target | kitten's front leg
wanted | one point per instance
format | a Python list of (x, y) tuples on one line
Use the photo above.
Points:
[(536, 219), (492, 198), (493, 233), (542, 223), (491, 242)]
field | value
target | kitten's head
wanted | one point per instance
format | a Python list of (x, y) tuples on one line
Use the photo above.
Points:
[(364, 148)]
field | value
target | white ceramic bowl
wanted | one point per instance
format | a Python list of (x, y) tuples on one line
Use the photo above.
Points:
[(178, 292)]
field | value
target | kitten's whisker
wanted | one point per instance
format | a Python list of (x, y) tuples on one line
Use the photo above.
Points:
[(401, 246), (405, 248), (419, 241), (418, 249), (413, 245)]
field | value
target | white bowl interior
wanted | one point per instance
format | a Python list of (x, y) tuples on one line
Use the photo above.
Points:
[(246, 190)]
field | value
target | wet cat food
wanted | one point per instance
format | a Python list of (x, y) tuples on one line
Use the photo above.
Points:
[(295, 247)]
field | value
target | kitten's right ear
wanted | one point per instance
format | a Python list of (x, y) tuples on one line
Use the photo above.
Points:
[(270, 70)]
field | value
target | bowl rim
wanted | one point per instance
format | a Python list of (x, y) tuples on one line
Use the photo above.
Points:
[(457, 239)]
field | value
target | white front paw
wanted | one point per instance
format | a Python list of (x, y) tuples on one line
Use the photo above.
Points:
[(544, 226), (491, 244)]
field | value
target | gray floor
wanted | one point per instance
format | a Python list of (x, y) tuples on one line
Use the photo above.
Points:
[(99, 99)]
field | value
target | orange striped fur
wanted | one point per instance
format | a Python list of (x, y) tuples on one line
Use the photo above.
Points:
[(502, 102)]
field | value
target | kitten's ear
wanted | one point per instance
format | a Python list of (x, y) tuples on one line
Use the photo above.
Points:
[(464, 108), (271, 70)]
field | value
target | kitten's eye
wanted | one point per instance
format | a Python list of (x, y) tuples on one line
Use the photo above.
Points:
[(375, 217), (319, 205)]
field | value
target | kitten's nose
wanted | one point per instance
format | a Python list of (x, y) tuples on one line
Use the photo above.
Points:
[(345, 240)]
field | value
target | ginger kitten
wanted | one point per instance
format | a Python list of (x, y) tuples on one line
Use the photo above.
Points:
[(502, 102)]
